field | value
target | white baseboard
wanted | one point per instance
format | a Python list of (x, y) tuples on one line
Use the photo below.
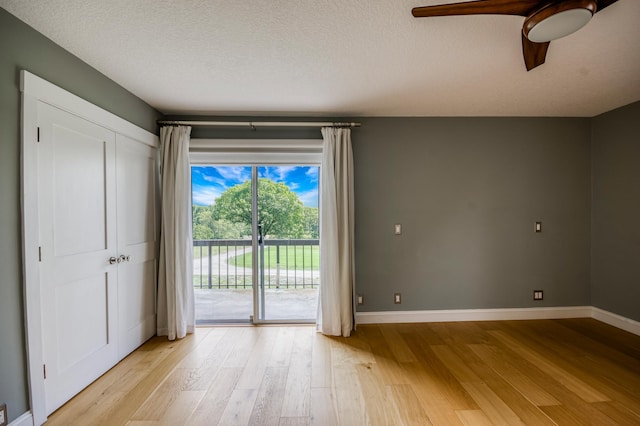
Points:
[(24, 420), (473, 315), (616, 320), (446, 315)]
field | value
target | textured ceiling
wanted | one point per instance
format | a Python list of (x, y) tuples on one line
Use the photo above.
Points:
[(357, 57)]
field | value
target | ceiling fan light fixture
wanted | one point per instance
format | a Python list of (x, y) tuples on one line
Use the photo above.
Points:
[(558, 20)]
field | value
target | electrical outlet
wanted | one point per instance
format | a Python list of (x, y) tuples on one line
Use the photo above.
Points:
[(360, 299), (538, 295), (3, 415), (397, 229), (397, 299)]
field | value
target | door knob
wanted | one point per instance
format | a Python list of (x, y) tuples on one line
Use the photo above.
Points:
[(122, 258), (113, 260)]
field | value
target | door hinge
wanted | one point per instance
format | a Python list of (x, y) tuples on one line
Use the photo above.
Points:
[(38, 134), (44, 370), (40, 254)]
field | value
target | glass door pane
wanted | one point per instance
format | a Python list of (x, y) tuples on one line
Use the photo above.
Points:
[(269, 211), (288, 249), (222, 238)]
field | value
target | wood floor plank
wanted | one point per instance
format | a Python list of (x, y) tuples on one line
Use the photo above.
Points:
[(257, 362), (349, 399), (505, 372), (389, 367), (181, 408), (323, 409), (268, 405), (461, 371), (562, 415), (239, 408), (97, 400), (573, 406), (397, 344), (430, 393), (408, 409), (155, 407), (437, 372), (298, 387), (294, 421), (208, 368), (245, 340), (124, 410), (576, 385), (534, 393), (350, 351), (610, 372), (473, 418), (215, 400), (203, 351), (321, 365), (281, 355), (379, 408), (491, 405), (618, 412), (618, 341), (518, 402)]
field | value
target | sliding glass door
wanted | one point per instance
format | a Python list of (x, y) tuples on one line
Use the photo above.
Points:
[(256, 245)]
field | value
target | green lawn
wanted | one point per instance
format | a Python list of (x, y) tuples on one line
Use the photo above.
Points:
[(293, 257)]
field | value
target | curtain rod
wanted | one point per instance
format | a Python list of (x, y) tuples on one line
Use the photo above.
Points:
[(254, 124)]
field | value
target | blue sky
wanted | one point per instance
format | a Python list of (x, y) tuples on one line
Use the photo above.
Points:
[(208, 182)]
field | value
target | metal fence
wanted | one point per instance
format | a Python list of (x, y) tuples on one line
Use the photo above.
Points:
[(227, 264)]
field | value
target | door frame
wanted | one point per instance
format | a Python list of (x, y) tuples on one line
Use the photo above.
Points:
[(34, 90), (256, 153)]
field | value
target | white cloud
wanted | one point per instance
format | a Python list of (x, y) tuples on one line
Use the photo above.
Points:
[(237, 174), (312, 173), (278, 173), (309, 198), (205, 195)]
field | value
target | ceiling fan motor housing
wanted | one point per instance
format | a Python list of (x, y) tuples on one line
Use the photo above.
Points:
[(558, 19)]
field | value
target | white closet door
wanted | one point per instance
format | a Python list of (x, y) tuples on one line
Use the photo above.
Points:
[(77, 212), (137, 189)]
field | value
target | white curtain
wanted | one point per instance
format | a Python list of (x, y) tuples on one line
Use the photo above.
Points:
[(337, 269), (176, 303)]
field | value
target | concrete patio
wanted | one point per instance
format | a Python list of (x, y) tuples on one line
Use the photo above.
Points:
[(231, 305)]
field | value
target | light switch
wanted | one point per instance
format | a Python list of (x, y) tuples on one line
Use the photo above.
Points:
[(538, 227), (398, 229)]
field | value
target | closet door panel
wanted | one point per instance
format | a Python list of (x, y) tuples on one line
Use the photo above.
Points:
[(77, 225), (137, 242)]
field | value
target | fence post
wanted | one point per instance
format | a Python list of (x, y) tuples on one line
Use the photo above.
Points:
[(210, 273), (277, 265)]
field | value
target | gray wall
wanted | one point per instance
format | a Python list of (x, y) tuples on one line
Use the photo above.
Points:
[(615, 277), (467, 192), (23, 48)]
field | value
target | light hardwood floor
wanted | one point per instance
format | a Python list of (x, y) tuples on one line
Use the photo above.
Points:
[(564, 372)]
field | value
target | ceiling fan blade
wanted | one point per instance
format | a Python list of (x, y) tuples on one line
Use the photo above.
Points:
[(480, 7), (604, 3), (534, 53)]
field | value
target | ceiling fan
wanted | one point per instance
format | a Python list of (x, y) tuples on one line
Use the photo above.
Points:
[(545, 20)]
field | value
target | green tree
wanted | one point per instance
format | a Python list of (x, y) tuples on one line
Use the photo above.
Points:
[(310, 222), (280, 211), (205, 227)]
